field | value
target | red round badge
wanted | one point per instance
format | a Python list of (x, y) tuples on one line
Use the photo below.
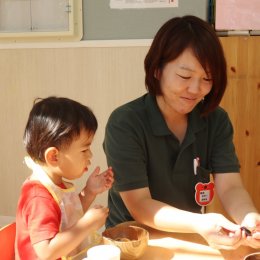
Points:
[(204, 193)]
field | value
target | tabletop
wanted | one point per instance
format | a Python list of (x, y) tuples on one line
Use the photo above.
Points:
[(184, 246)]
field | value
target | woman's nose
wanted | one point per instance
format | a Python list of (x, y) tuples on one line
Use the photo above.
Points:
[(194, 86)]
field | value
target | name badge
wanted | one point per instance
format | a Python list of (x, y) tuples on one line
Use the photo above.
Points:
[(204, 193)]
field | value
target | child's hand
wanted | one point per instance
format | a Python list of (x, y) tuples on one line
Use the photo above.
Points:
[(95, 217), (99, 182)]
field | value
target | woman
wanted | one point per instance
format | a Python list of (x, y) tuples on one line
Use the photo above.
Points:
[(164, 146)]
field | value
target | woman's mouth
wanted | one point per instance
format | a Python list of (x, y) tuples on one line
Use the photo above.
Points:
[(189, 98)]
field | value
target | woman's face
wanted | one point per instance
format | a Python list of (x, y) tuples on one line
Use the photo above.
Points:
[(184, 83)]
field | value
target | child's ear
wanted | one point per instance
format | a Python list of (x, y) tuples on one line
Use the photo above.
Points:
[(51, 156)]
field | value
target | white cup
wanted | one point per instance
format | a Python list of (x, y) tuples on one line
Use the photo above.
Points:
[(103, 252)]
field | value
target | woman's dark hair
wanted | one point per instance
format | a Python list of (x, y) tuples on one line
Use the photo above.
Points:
[(54, 122), (172, 39)]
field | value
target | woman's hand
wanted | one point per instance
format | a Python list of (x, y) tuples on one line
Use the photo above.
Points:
[(219, 232), (252, 223)]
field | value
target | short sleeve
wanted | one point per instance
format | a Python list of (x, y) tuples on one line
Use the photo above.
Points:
[(124, 146), (42, 215), (223, 157)]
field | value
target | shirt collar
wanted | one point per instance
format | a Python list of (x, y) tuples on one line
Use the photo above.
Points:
[(158, 124), (196, 121)]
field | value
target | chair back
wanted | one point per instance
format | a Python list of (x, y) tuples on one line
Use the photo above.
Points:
[(7, 241)]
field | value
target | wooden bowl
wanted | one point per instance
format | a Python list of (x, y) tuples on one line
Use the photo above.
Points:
[(131, 240), (253, 256)]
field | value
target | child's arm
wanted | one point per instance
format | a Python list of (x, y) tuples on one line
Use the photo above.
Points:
[(96, 183), (64, 242)]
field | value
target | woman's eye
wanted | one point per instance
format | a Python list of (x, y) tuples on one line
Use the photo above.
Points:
[(207, 79), (184, 77)]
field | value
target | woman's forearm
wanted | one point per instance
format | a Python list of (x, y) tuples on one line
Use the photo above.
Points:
[(240, 207), (164, 217)]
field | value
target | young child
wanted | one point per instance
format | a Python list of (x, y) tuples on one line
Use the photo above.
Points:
[(50, 220)]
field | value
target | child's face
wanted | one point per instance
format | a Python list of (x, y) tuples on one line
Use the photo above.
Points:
[(75, 159)]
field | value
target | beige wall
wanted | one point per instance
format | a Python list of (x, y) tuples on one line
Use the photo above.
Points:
[(103, 78), (100, 77)]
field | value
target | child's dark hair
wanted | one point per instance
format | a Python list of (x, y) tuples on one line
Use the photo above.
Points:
[(55, 122)]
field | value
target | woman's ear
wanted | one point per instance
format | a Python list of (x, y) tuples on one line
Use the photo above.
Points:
[(51, 156), (157, 74)]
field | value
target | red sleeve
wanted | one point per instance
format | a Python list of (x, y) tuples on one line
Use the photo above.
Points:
[(42, 214)]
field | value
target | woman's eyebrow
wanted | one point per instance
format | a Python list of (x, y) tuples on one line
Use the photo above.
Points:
[(183, 67), (191, 70)]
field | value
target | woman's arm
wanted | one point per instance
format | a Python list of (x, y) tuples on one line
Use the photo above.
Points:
[(161, 216), (156, 214), (239, 205), (233, 195)]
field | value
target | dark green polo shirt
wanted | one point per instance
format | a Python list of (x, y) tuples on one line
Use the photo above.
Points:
[(143, 152)]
